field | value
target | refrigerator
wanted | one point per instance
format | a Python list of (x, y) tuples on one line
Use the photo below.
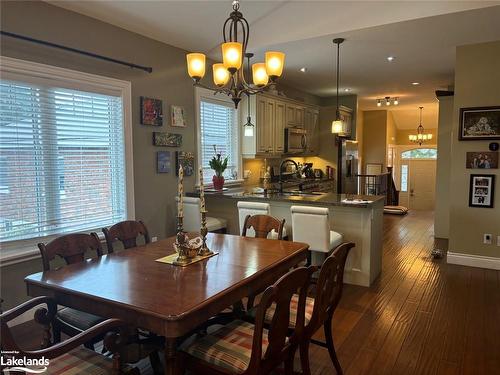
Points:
[(349, 165)]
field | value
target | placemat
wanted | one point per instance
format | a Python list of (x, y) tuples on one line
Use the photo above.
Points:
[(171, 259)]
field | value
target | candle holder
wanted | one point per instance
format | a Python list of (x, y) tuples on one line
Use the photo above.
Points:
[(204, 250), (180, 244)]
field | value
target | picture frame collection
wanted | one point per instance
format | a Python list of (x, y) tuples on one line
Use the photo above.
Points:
[(151, 114), (479, 124)]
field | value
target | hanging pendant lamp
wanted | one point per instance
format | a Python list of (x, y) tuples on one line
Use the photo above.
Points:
[(338, 124), (421, 136), (248, 127)]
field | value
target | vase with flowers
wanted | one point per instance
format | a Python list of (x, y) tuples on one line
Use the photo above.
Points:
[(219, 165)]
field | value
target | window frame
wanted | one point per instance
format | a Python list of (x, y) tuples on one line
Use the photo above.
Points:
[(201, 93), (15, 69)]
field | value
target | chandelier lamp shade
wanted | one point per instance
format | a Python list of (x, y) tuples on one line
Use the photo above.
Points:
[(229, 76), (421, 136), (338, 124)]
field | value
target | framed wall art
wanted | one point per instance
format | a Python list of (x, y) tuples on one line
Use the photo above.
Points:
[(479, 123), (167, 139), (151, 111), (482, 160), (482, 190), (178, 116), (186, 159), (163, 162)]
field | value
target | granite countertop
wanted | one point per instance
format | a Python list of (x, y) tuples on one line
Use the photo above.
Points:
[(315, 198)]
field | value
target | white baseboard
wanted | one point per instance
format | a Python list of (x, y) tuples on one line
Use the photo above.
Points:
[(473, 260)]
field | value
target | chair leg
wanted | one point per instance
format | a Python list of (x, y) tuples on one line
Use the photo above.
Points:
[(56, 333), (154, 358), (309, 258), (289, 364), (329, 343), (89, 345), (304, 358)]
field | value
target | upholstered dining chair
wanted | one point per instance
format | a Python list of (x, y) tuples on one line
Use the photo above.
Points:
[(241, 347), (127, 232), (312, 226), (72, 248), (68, 357), (263, 226), (246, 208), (319, 310), (192, 217)]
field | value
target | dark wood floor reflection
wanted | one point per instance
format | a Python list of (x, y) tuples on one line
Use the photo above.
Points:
[(422, 316)]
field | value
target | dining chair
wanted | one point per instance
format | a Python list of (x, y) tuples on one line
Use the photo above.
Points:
[(311, 225), (318, 311), (241, 347), (72, 248), (127, 232), (192, 217), (246, 208), (68, 357), (263, 226)]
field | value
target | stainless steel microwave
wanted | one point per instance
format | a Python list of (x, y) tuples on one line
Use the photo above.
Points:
[(295, 140)]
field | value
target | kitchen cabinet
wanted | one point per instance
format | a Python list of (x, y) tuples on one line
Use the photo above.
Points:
[(294, 116), (311, 125)]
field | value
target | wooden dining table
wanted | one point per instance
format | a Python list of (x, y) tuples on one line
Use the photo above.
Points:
[(165, 299)]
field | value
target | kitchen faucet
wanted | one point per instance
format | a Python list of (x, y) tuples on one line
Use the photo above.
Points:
[(283, 163)]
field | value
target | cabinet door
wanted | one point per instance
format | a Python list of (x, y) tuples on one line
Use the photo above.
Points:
[(299, 117), (279, 127), (314, 133), (260, 125), (270, 116), (290, 115)]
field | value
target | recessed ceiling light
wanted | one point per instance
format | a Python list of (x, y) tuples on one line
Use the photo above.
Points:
[(347, 90), (303, 69), (391, 58), (415, 83)]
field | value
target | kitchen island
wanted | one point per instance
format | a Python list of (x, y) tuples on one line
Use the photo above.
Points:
[(357, 217)]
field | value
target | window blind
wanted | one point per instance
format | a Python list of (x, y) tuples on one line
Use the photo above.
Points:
[(62, 160), (218, 128)]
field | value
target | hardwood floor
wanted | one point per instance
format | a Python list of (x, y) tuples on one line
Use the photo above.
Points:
[(422, 316)]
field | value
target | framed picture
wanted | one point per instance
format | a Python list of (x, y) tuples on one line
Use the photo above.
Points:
[(178, 116), (186, 159), (481, 190), (163, 162), (482, 160), (479, 123), (151, 111), (167, 139)]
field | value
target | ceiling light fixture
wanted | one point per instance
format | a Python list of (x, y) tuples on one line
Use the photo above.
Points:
[(347, 90), (303, 69), (338, 124), (420, 137), (395, 101), (388, 101), (248, 127), (391, 58), (415, 83), (229, 76), (379, 103)]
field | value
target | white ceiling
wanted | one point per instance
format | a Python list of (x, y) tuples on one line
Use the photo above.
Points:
[(421, 34)]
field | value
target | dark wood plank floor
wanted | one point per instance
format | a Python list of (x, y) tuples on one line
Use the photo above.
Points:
[(422, 316)]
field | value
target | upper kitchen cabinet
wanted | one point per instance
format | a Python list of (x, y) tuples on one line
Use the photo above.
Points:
[(311, 125), (294, 116)]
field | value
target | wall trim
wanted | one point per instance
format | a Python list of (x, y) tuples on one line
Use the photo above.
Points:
[(473, 260)]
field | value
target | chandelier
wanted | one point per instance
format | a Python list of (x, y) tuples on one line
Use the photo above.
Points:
[(420, 137), (228, 76)]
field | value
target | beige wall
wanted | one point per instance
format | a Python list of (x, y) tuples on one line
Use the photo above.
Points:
[(374, 137), (442, 206), (402, 135), (477, 84), (154, 192)]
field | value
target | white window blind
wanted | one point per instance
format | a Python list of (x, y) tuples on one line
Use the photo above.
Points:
[(218, 128), (62, 160)]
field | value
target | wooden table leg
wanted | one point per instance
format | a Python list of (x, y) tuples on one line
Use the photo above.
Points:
[(171, 366)]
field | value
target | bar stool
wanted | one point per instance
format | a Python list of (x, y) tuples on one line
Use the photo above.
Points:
[(311, 225), (246, 208), (192, 217)]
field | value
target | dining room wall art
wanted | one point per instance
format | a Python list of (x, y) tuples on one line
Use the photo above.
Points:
[(186, 159), (163, 162), (482, 160), (151, 111), (482, 190), (165, 139), (479, 123), (178, 116)]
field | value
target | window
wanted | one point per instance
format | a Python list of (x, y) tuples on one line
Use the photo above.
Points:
[(420, 153), (62, 156), (404, 177), (218, 130)]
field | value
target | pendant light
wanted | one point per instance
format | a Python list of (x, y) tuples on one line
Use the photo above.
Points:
[(420, 137), (337, 124), (248, 127)]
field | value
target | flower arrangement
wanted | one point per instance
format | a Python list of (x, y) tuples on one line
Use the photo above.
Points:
[(219, 165)]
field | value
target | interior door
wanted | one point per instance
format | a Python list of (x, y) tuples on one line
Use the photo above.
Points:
[(422, 184)]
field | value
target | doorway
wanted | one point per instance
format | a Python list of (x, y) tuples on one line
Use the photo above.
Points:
[(417, 178)]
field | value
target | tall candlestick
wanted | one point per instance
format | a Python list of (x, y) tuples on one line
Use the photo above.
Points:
[(202, 191), (180, 212)]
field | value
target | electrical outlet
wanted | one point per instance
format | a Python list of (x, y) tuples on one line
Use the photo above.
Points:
[(487, 239), (498, 240), (154, 239)]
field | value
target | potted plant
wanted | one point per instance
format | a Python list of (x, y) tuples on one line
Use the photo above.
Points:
[(219, 165)]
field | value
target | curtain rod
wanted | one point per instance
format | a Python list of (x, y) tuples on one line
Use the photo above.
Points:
[(70, 49)]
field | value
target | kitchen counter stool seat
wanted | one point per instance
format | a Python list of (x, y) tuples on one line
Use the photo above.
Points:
[(192, 217)]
